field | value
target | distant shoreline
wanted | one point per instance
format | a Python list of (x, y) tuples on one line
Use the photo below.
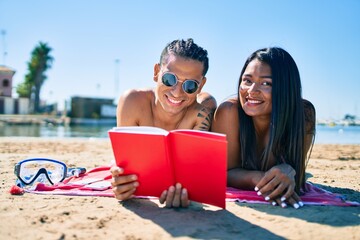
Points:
[(324, 134), (32, 119)]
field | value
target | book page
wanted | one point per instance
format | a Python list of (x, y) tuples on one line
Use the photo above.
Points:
[(141, 129), (200, 165), (144, 155), (199, 133)]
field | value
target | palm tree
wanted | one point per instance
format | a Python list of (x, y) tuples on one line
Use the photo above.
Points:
[(40, 62)]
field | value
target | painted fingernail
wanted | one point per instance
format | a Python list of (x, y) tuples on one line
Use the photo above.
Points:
[(283, 205), (283, 199), (267, 198), (136, 184), (273, 203), (259, 193), (301, 204), (296, 205), (256, 189), (184, 191), (133, 177)]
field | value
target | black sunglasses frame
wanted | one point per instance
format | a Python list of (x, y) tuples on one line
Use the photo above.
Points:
[(185, 86)]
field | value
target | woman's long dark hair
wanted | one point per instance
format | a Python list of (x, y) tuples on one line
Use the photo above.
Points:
[(287, 125)]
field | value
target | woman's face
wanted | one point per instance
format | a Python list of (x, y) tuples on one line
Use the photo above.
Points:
[(255, 89)]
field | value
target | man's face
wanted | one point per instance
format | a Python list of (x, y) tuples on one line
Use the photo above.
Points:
[(174, 99)]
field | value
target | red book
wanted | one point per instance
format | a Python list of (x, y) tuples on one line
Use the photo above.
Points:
[(161, 158)]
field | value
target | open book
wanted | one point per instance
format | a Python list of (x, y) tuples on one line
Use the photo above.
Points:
[(161, 158)]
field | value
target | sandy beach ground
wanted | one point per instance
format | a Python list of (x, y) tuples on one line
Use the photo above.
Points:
[(30, 216)]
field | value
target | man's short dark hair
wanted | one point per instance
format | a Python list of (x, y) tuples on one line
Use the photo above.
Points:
[(186, 49)]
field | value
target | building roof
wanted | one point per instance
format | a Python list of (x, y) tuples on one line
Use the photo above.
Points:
[(4, 68)]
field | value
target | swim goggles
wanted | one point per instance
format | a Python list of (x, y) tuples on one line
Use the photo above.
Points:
[(189, 86), (43, 170)]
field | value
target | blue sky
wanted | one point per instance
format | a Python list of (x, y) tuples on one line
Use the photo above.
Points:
[(88, 36)]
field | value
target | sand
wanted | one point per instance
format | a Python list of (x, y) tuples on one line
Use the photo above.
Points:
[(31, 216)]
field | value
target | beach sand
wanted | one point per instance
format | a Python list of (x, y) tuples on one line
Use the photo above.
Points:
[(31, 216)]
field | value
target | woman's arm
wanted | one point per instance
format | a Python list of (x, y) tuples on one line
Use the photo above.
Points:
[(286, 176), (226, 121), (310, 124)]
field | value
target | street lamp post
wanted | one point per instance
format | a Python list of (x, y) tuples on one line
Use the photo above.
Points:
[(116, 78), (3, 33)]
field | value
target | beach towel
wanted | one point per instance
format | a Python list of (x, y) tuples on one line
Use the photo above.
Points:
[(96, 182)]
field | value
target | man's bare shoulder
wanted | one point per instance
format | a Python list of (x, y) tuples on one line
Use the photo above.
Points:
[(135, 96), (200, 116), (207, 100), (134, 107)]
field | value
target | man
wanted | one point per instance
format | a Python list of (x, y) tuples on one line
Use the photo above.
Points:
[(175, 103)]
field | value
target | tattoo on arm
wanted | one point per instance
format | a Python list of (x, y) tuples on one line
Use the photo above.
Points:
[(207, 117)]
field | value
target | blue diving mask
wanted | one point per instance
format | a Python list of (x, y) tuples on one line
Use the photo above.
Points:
[(42, 170)]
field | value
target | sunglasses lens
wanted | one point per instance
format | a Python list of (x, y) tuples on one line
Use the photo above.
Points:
[(190, 86), (40, 169), (169, 79)]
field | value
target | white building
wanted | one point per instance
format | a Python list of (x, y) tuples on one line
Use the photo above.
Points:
[(9, 105)]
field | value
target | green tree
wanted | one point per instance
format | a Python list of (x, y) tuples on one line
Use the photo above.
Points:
[(40, 62), (23, 89)]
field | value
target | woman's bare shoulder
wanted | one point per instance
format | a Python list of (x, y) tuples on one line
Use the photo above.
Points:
[(230, 104), (226, 121), (310, 116), (226, 114)]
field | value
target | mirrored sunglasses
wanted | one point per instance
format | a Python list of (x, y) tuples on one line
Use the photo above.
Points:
[(33, 170), (189, 86)]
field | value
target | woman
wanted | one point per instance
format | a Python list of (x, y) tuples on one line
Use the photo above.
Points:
[(270, 128)]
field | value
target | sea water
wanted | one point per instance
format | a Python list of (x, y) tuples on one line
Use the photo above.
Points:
[(337, 134), (324, 134), (77, 131)]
